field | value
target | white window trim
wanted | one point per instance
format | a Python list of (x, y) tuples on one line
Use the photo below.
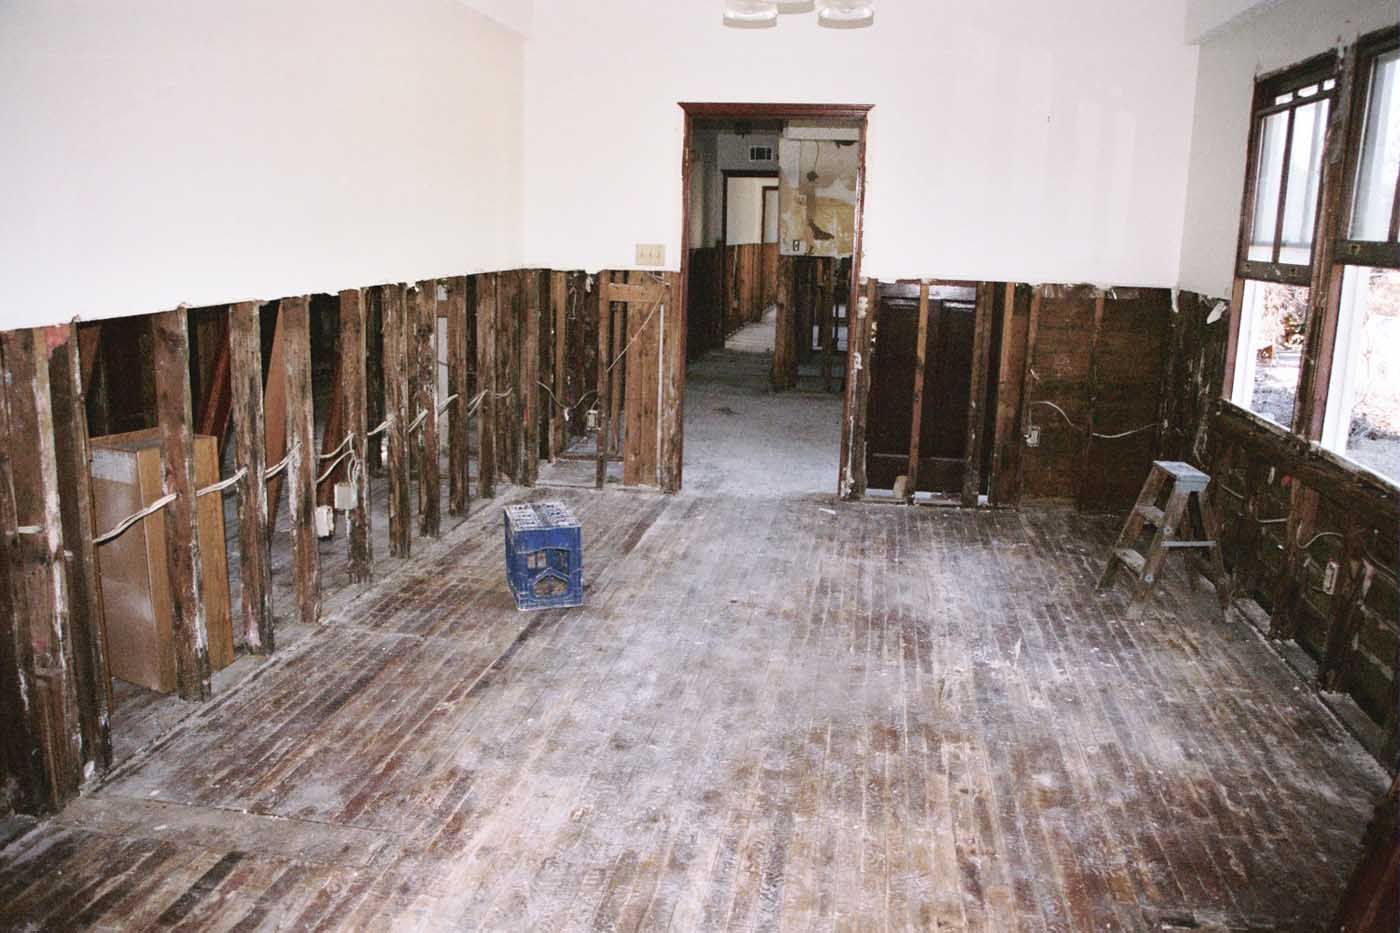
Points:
[(1246, 360), (1341, 394)]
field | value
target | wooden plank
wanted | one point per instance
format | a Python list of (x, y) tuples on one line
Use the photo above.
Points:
[(171, 348), (1086, 450), (532, 306), (275, 418), (19, 739), (617, 362), (486, 287), (1032, 325), (785, 327), (254, 561), (921, 363), (635, 394), (644, 291), (302, 461), (1006, 445), (867, 348), (91, 674), (977, 402), (39, 575), (353, 355), (828, 324), (458, 450), (425, 381), (373, 299), (214, 412), (397, 412), (558, 303), (671, 424), (333, 435), (603, 288)]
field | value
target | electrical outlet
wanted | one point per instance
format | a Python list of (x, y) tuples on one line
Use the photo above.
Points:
[(1329, 578), (1033, 436), (651, 254)]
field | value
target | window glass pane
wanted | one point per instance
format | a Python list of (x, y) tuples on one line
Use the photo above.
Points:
[(1380, 152), (1363, 410), (1271, 139), (1270, 350), (1304, 177)]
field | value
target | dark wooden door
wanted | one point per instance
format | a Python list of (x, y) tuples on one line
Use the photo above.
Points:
[(947, 386)]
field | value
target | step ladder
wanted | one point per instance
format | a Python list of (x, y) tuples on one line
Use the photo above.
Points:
[(1187, 509)]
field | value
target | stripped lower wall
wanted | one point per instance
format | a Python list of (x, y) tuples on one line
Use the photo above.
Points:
[(530, 363)]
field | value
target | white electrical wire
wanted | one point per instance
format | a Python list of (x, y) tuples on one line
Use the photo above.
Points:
[(221, 486), (130, 520), (1107, 437)]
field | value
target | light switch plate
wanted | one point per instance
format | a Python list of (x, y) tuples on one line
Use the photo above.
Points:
[(651, 254)]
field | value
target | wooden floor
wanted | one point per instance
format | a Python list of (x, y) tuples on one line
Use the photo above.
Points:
[(791, 714)]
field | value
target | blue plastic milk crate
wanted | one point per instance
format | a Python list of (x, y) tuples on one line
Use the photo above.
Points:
[(544, 555)]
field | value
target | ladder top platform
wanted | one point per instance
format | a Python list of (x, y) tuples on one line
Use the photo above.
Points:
[(1184, 474)]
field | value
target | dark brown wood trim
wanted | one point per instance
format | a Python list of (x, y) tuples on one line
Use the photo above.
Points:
[(739, 110)]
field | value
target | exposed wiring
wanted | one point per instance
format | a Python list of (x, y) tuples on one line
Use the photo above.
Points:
[(348, 438), (221, 486), (447, 402), (1321, 534), (1081, 428), (331, 469), (130, 520)]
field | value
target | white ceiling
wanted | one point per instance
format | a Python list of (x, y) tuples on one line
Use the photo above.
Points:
[(1205, 18)]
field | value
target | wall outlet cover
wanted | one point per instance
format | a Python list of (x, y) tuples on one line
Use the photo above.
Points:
[(651, 254), (1329, 578), (1033, 436)]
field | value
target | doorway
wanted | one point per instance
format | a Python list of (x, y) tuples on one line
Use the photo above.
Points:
[(773, 198)]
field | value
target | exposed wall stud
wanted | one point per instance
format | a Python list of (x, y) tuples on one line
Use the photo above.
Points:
[(171, 347), (353, 356), (302, 460)]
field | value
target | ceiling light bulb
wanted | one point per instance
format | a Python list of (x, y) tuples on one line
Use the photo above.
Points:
[(846, 14), (750, 14)]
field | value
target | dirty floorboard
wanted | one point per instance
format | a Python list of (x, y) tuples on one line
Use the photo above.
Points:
[(768, 713)]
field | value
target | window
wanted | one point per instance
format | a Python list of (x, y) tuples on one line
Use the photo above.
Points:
[(1362, 418), (1285, 172), (1335, 379), (1270, 350), (1374, 208), (1363, 401)]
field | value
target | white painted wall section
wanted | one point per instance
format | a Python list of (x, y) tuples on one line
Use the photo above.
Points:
[(1020, 140), (1281, 34), (190, 151)]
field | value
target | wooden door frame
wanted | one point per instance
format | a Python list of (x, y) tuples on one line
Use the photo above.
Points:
[(763, 216), (852, 113)]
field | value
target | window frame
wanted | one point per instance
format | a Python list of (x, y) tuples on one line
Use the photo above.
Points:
[(1333, 252), (1267, 89)]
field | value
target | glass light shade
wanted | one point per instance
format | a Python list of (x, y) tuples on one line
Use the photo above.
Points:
[(846, 14), (750, 14)]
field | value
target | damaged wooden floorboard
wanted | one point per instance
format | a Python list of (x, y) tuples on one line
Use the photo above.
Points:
[(764, 714)]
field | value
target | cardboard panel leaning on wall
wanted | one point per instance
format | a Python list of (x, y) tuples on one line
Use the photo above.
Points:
[(200, 154)]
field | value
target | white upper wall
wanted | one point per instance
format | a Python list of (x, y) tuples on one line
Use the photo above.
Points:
[(1021, 140), (1279, 35), (191, 151)]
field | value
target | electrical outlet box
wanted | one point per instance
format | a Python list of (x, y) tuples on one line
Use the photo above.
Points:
[(651, 254), (324, 520), (345, 497), (1033, 436), (1329, 578)]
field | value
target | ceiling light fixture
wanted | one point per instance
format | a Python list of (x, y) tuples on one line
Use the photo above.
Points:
[(750, 14), (834, 14), (846, 14)]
